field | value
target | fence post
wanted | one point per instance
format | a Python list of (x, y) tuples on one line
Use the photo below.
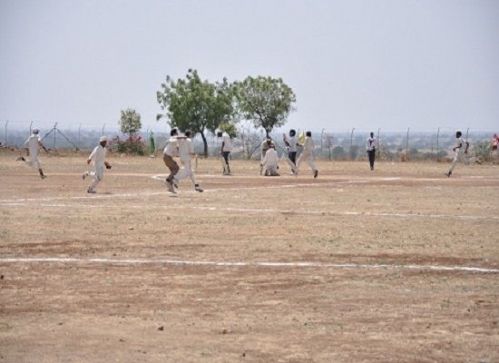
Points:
[(55, 133), (6, 133), (438, 135), (79, 136), (351, 144), (322, 138), (407, 143), (102, 131)]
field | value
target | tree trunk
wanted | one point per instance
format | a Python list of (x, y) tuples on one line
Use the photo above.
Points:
[(205, 142)]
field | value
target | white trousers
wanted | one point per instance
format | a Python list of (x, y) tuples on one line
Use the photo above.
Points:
[(185, 171), (34, 161), (309, 158), (98, 175)]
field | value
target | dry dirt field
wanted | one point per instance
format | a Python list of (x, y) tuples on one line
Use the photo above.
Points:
[(396, 265)]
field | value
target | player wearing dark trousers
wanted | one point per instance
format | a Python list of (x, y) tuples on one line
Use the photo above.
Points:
[(371, 150)]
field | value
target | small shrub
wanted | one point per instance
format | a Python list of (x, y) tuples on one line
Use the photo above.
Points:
[(133, 145)]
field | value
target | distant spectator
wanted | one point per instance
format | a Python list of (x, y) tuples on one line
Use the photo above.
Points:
[(371, 150)]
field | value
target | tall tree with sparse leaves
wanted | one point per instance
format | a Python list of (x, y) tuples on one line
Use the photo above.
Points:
[(265, 101), (194, 104), (130, 122)]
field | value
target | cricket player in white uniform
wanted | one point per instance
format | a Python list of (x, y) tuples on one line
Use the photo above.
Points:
[(185, 153), (371, 149), (308, 154), (270, 162), (34, 143), (225, 150), (264, 147), (98, 157), (291, 142), (169, 152), (459, 150)]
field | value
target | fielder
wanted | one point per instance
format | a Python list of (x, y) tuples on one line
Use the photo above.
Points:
[(291, 143), (371, 149), (264, 147), (225, 151), (169, 152), (308, 154), (34, 143), (494, 146), (458, 152), (98, 156), (270, 162), (185, 152)]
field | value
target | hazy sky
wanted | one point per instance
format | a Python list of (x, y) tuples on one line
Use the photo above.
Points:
[(364, 64)]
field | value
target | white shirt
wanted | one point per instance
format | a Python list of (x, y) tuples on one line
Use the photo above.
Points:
[(171, 149), (271, 158), (33, 143), (227, 142), (185, 148), (98, 156), (292, 143), (371, 144), (459, 145), (308, 145)]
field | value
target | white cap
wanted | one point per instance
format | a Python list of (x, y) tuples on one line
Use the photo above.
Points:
[(103, 138)]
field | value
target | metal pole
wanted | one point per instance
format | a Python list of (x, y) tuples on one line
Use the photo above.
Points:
[(407, 143), (322, 138), (6, 134), (55, 133), (79, 136), (102, 131), (467, 132), (438, 135), (351, 143), (30, 127)]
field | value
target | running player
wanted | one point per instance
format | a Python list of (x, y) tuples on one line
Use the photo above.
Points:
[(98, 156), (34, 143), (459, 150), (186, 152), (308, 154)]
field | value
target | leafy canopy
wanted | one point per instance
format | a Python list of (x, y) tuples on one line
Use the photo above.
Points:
[(130, 122), (265, 101), (194, 104)]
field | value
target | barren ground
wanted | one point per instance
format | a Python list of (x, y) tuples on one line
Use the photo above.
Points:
[(140, 276)]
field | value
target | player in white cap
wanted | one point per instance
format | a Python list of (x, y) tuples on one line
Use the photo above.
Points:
[(98, 156), (459, 150), (185, 152), (308, 154), (34, 143), (270, 161)]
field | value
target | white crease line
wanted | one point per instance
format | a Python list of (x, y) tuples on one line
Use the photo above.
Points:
[(272, 211), (141, 261)]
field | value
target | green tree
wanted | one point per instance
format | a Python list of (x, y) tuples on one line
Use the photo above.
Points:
[(196, 105), (228, 127), (265, 101), (130, 122)]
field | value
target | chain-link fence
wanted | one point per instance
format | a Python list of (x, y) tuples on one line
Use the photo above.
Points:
[(346, 144)]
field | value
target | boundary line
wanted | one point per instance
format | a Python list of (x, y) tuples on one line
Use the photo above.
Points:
[(143, 261)]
